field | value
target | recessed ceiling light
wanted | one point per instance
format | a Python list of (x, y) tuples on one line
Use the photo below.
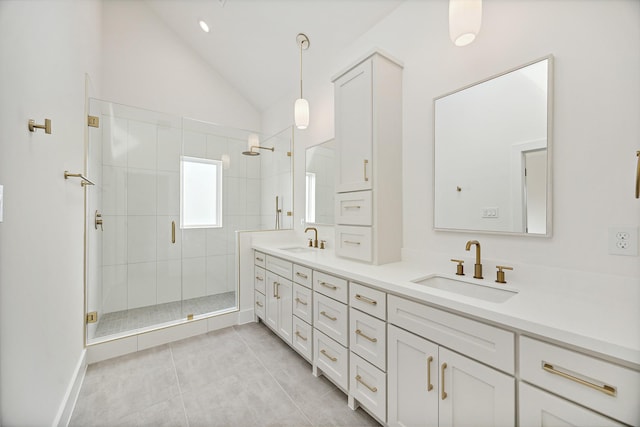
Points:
[(204, 26)]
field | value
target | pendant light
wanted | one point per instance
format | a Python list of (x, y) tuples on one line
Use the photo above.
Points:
[(465, 18), (301, 107)]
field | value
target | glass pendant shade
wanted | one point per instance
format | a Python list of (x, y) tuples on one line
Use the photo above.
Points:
[(465, 19), (301, 113)]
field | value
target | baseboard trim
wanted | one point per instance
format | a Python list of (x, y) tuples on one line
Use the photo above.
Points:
[(73, 391)]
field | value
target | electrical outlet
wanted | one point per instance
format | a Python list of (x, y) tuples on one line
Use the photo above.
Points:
[(490, 213), (623, 241)]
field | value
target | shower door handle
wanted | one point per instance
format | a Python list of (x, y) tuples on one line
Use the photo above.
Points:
[(173, 232)]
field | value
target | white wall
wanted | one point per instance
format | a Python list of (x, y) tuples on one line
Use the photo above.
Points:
[(45, 49), (596, 46), (145, 65)]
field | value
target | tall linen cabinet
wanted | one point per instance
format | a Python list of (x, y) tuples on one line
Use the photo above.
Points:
[(368, 134)]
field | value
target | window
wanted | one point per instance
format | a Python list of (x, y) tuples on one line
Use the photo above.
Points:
[(311, 197), (200, 193)]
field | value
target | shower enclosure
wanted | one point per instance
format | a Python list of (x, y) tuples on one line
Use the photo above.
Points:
[(171, 193)]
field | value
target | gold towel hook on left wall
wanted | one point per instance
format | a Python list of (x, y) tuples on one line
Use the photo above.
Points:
[(46, 126)]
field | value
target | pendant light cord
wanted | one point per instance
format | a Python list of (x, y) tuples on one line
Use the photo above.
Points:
[(301, 43)]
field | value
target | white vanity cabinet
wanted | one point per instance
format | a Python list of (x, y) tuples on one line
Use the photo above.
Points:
[(368, 350), (273, 292), (259, 285), (541, 409), (368, 137), (599, 385), (330, 328), (302, 339), (430, 383)]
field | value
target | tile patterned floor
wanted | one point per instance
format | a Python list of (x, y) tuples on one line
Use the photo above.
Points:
[(239, 376), (129, 320)]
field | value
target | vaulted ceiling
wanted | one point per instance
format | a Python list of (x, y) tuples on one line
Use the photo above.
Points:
[(252, 43)]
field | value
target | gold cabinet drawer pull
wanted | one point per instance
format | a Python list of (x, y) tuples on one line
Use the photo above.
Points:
[(333, 359), (328, 285), (352, 207), (367, 300), (363, 335), (299, 335), (298, 300), (638, 176), (444, 393), (324, 313), (606, 389), (361, 381), (259, 304), (259, 278), (259, 259), (429, 385), (304, 276), (351, 242), (366, 178), (173, 231), (276, 294)]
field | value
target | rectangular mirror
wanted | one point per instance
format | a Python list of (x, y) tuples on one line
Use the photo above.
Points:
[(320, 183), (492, 140)]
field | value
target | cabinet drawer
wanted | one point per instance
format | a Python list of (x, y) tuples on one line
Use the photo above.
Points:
[(259, 304), (368, 300), (368, 338), (302, 275), (259, 259), (354, 208), (330, 317), (354, 242), (479, 341), (302, 303), (330, 286), (368, 385), (539, 408), (279, 266), (602, 386), (331, 358), (302, 338), (259, 280)]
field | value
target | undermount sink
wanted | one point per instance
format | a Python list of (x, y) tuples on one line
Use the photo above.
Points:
[(474, 290), (298, 249)]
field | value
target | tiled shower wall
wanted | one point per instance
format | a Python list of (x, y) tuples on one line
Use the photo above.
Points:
[(141, 197)]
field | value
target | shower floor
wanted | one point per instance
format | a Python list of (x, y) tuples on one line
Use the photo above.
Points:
[(136, 318)]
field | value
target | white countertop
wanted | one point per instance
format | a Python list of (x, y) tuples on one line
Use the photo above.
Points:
[(597, 313)]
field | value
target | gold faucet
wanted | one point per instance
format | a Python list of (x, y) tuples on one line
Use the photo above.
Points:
[(477, 268), (315, 239)]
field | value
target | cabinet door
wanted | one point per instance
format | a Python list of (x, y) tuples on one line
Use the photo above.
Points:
[(271, 309), (472, 394), (412, 376), (541, 409), (285, 310), (353, 117)]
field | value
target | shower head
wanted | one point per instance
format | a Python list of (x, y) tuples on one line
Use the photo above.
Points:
[(256, 153)]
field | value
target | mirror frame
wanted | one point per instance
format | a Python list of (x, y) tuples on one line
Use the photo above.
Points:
[(549, 174)]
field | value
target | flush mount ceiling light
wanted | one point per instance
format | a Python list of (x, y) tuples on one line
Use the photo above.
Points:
[(465, 18), (204, 26), (301, 107)]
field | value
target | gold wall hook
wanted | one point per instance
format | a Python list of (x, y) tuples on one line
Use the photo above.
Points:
[(46, 126)]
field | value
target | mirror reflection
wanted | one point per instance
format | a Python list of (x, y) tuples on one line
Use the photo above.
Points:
[(491, 162), (320, 183)]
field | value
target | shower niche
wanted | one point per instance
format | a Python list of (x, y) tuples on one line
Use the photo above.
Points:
[(171, 194)]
